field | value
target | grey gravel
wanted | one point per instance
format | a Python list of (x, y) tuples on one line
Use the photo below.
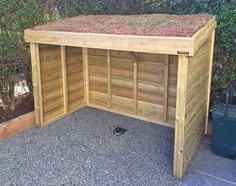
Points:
[(81, 149)]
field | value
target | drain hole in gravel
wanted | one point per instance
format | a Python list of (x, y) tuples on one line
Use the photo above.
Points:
[(119, 130)]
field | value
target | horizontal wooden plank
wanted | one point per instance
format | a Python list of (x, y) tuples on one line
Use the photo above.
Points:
[(122, 91), (53, 104), (52, 84), (77, 94), (48, 116), (50, 75), (154, 121), (98, 87), (151, 44), (97, 52), (75, 104), (94, 95), (72, 77), (75, 85), (52, 94), (74, 60), (73, 51)]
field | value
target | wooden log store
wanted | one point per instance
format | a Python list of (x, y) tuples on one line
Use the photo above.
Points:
[(151, 67)]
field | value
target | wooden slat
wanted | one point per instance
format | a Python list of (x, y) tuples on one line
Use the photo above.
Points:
[(135, 79), (180, 116), (209, 79), (35, 83), (166, 82), (40, 99), (64, 78), (109, 77), (86, 74), (152, 120)]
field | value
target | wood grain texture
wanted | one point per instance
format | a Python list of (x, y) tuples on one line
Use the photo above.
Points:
[(75, 77), (139, 83), (180, 116), (35, 84), (191, 105), (151, 44), (12, 127), (86, 74), (64, 78), (52, 81), (209, 79), (140, 77)]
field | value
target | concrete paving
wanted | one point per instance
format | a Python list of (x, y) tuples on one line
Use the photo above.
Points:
[(81, 149), (209, 169)]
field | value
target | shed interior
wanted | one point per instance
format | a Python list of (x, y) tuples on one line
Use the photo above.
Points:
[(163, 80)]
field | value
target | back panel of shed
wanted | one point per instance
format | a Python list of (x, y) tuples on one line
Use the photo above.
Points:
[(161, 79)]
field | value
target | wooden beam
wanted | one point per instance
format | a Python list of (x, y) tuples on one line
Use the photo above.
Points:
[(204, 33), (109, 78), (86, 74), (209, 79), (35, 83), (12, 127), (135, 79), (36, 72), (180, 116), (124, 113), (64, 78), (151, 44), (166, 81)]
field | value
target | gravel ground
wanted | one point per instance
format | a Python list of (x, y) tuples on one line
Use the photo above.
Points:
[(81, 149)]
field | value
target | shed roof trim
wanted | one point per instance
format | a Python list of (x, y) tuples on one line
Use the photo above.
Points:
[(141, 25)]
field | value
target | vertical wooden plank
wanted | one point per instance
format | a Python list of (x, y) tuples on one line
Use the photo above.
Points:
[(135, 79), (86, 74), (166, 78), (180, 115), (209, 79), (37, 79), (64, 78), (35, 83), (109, 77)]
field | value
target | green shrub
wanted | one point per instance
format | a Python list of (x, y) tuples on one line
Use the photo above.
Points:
[(15, 16)]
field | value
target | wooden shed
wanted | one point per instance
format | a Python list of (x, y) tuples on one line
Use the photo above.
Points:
[(151, 67)]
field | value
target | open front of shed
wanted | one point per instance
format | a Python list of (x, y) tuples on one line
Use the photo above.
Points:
[(151, 67)]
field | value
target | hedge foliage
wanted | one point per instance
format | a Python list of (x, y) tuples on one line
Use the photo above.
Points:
[(16, 15)]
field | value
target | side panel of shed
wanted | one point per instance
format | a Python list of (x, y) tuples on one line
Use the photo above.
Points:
[(192, 105), (51, 81), (58, 81)]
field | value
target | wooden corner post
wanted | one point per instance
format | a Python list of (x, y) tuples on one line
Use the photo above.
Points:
[(36, 79), (86, 74), (209, 79), (64, 78), (180, 116)]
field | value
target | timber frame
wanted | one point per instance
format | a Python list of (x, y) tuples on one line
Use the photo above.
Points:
[(193, 56)]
